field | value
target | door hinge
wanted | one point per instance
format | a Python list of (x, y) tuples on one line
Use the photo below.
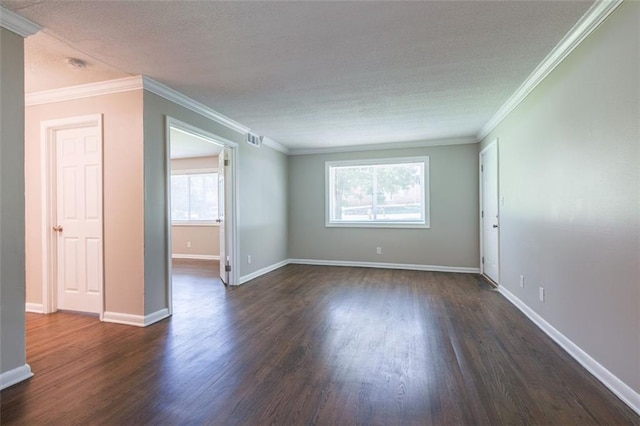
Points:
[(227, 268), (226, 162), (482, 214), (482, 168), (483, 260)]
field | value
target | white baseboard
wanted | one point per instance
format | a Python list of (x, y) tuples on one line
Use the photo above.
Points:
[(36, 308), (407, 266), (196, 256), (135, 320), (11, 377), (615, 385), (263, 271)]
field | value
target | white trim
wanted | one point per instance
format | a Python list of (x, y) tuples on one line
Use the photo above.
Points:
[(137, 83), (275, 145), (190, 223), (125, 84), (193, 171), (615, 385), (47, 165), (385, 146), (591, 20), (481, 207), (18, 24), (17, 375), (156, 316), (195, 256), (265, 270), (35, 308), (195, 106), (405, 266), (136, 320)]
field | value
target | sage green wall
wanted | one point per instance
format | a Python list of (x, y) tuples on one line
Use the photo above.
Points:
[(451, 241), (12, 258), (262, 198), (569, 174)]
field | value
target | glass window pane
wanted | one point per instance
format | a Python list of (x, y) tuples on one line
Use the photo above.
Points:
[(179, 197)]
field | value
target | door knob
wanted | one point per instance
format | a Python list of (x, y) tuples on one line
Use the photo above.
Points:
[(58, 228)]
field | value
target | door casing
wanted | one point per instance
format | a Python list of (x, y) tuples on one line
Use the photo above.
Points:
[(231, 197)]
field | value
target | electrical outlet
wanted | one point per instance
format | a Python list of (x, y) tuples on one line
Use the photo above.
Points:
[(188, 244), (521, 280), (541, 294), (378, 250), (249, 259)]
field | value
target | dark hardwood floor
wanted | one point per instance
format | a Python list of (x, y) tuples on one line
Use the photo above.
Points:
[(310, 345)]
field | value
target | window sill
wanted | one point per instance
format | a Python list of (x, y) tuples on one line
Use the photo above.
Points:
[(195, 224), (378, 225)]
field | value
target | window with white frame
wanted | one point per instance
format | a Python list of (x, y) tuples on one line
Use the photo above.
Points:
[(390, 192), (194, 197)]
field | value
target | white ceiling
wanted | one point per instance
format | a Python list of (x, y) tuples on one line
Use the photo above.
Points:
[(311, 74), (187, 145)]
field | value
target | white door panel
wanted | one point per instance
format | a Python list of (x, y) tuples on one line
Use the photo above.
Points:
[(224, 276), (79, 219), (490, 213)]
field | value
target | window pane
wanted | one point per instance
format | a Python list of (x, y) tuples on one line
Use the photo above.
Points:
[(179, 197), (353, 193), (194, 197), (201, 198), (378, 193)]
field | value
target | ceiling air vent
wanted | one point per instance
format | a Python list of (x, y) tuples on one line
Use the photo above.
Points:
[(254, 139)]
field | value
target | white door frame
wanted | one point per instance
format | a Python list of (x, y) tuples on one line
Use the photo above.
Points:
[(231, 199), (48, 131), (492, 144)]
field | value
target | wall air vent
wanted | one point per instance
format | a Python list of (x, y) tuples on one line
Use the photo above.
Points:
[(254, 139)]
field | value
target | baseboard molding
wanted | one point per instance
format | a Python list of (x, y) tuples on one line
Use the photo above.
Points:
[(17, 375), (263, 271), (135, 320), (407, 266), (196, 256), (615, 385), (36, 308)]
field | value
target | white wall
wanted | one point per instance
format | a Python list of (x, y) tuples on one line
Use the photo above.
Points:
[(569, 173), (12, 222), (451, 241)]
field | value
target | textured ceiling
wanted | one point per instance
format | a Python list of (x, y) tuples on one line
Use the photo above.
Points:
[(320, 74)]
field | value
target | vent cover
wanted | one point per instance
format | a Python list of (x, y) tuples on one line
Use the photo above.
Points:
[(254, 139)]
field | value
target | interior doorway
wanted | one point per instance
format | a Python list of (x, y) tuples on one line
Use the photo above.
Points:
[(489, 213), (72, 224), (201, 200)]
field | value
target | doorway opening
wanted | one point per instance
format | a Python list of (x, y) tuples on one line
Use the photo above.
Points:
[(201, 201), (72, 219), (489, 213)]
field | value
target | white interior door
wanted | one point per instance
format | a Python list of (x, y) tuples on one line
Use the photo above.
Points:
[(79, 219), (224, 274), (490, 212)]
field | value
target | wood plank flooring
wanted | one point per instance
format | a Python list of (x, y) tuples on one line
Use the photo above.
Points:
[(310, 345)]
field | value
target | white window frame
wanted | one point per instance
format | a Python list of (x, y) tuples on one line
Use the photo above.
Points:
[(193, 222), (386, 224)]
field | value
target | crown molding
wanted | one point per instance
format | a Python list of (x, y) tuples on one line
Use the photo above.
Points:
[(275, 145), (385, 146), (195, 106), (591, 20), (18, 24), (84, 91)]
